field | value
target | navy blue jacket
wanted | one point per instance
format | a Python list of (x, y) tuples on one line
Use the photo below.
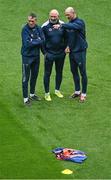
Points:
[(55, 39), (32, 41), (77, 35)]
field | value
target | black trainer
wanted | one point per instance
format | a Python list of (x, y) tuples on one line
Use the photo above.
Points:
[(74, 95), (35, 98), (27, 103)]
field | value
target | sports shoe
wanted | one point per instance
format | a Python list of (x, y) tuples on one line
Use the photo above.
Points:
[(74, 95), (47, 97), (82, 98), (27, 103), (35, 98), (58, 94)]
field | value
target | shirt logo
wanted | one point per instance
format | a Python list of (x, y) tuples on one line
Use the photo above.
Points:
[(50, 29)]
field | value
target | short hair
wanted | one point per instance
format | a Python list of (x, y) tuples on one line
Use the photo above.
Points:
[(70, 10), (55, 11), (33, 15)]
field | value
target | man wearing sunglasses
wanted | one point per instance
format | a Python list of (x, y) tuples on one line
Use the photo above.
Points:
[(32, 41)]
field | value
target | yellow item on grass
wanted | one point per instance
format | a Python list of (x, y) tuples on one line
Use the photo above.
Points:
[(67, 171)]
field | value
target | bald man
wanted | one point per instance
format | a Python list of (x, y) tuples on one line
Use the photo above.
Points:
[(77, 51), (55, 44)]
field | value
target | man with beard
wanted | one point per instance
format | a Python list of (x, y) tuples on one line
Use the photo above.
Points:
[(55, 44)]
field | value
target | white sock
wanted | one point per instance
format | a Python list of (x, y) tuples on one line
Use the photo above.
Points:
[(56, 90), (83, 94), (77, 92), (31, 95), (25, 100), (46, 94)]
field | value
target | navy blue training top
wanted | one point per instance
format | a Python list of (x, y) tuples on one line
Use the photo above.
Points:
[(77, 35), (32, 40), (55, 39)]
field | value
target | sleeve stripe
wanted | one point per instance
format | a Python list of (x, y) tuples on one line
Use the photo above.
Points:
[(45, 24)]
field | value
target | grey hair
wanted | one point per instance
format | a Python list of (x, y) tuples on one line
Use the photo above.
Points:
[(55, 11)]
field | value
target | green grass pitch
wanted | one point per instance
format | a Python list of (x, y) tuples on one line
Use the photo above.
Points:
[(27, 135)]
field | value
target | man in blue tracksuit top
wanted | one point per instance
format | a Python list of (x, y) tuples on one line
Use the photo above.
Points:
[(77, 51), (32, 41), (55, 44)]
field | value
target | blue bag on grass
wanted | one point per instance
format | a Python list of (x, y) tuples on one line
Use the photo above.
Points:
[(70, 154)]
